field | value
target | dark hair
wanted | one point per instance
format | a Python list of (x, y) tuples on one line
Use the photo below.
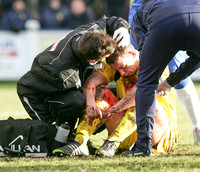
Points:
[(119, 52), (96, 44)]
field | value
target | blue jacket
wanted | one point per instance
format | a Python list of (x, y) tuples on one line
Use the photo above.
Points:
[(154, 12), (54, 19), (15, 21)]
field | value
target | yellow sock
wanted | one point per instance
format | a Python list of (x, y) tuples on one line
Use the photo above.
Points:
[(125, 128), (84, 130)]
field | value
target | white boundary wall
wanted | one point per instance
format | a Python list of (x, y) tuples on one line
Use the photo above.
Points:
[(17, 51)]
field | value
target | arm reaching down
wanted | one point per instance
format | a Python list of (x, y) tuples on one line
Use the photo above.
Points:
[(125, 103), (93, 111)]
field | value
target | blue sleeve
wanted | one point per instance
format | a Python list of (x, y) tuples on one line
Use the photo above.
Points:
[(176, 61), (134, 6), (6, 21)]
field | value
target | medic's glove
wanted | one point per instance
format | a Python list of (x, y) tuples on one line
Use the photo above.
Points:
[(122, 37), (164, 88)]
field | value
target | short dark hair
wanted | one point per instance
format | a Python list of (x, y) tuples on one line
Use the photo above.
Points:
[(119, 51), (96, 44)]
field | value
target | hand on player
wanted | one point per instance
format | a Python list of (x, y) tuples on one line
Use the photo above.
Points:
[(106, 115), (122, 37), (93, 112), (164, 88)]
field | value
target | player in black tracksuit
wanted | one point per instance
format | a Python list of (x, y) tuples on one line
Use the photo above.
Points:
[(161, 28), (51, 90)]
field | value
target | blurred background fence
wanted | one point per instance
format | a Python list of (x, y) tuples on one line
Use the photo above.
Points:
[(27, 27), (17, 51)]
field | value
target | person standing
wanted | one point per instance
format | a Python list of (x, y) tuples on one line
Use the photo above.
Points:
[(79, 14), (185, 90), (14, 19), (160, 29), (53, 16)]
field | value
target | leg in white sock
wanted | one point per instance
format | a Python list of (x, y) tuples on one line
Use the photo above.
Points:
[(189, 99)]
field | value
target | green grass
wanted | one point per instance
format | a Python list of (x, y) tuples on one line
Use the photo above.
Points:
[(186, 156)]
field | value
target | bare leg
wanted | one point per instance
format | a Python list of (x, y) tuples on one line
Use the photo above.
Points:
[(105, 94), (161, 122), (125, 133), (114, 121)]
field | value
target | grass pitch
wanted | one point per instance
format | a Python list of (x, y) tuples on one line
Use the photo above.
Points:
[(186, 156)]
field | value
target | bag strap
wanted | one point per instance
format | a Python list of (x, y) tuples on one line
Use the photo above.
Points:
[(10, 152)]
